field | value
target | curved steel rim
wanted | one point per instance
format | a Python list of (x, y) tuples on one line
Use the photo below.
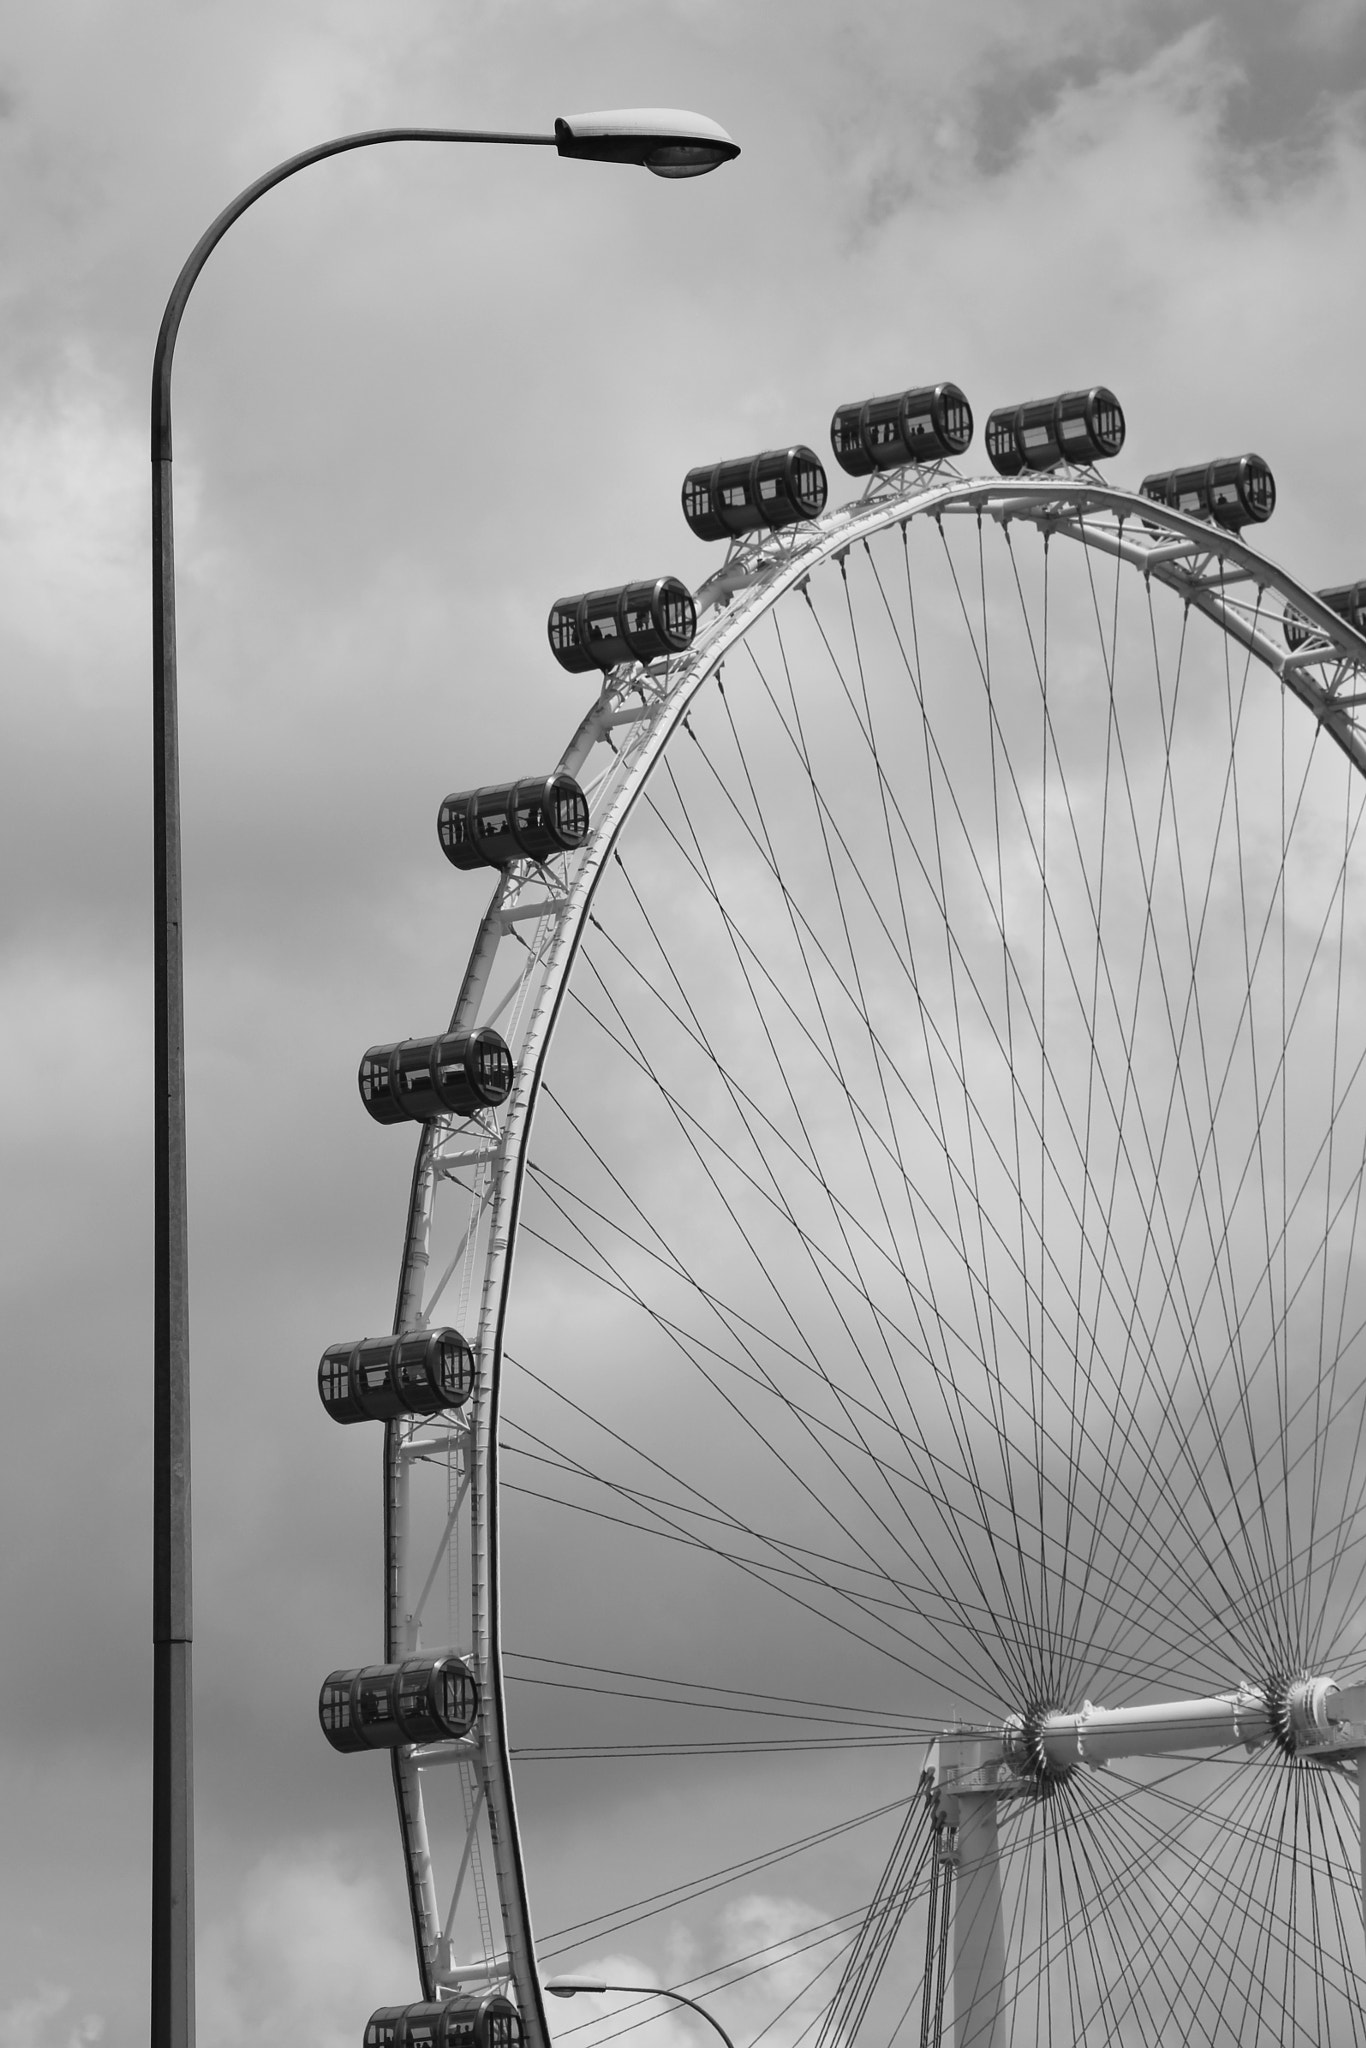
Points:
[(1211, 569)]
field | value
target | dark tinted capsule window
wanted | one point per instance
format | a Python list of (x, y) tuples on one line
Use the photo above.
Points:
[(335, 1377), (412, 1691), (571, 813), (884, 424), (335, 1706), (495, 1066), (456, 1697), (844, 432), (375, 1701), (1000, 435), (810, 482), (680, 612), (451, 1367), (564, 630), (696, 498), (1261, 491)]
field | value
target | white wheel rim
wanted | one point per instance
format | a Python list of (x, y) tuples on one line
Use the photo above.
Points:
[(520, 971)]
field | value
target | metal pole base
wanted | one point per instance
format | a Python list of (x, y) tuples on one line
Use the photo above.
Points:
[(172, 1848)]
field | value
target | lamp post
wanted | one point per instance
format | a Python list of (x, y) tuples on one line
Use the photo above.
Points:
[(570, 1987), (672, 145)]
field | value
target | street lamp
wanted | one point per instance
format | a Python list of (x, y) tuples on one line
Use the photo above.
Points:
[(672, 145), (570, 1987)]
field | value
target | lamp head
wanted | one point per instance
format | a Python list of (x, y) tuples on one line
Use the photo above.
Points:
[(668, 142), (566, 1987)]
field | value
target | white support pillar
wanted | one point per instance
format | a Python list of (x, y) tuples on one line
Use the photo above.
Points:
[(979, 1947)]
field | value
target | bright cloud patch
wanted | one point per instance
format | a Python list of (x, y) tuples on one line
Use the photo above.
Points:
[(44, 2019), (307, 1955)]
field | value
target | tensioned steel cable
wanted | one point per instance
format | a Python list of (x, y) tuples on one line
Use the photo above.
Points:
[(742, 1565), (876, 1565), (599, 1925), (982, 656), (858, 991), (859, 1282), (576, 1225), (909, 1596), (773, 1287), (1273, 1568)]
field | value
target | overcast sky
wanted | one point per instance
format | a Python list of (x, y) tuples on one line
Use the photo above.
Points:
[(420, 394)]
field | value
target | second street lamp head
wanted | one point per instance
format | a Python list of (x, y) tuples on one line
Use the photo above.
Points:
[(669, 142)]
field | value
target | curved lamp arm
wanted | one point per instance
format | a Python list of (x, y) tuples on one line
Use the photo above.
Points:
[(175, 306), (570, 1987), (671, 144)]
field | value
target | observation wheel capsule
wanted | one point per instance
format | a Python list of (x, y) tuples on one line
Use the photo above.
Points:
[(455, 1074), (432, 1698), (924, 424), (507, 821), (1348, 600), (1075, 426), (631, 622), (1233, 491), (780, 487), (469, 2020), (378, 1378)]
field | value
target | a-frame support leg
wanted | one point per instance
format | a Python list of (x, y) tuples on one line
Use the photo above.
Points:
[(979, 1954)]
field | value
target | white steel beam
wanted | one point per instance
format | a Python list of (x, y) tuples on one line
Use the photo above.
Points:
[(1096, 1735)]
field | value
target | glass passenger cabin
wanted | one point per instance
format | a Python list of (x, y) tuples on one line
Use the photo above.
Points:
[(780, 487), (1348, 600), (1233, 491), (423, 1372), (922, 425), (432, 1698), (510, 821), (642, 622), (1076, 426), (418, 1078), (472, 2019)]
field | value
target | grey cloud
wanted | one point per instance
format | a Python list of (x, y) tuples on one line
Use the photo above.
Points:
[(418, 397)]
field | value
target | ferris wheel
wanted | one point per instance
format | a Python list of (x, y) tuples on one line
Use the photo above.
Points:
[(888, 1208)]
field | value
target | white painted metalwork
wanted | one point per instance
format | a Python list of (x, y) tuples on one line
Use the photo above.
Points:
[(516, 980), (970, 1772)]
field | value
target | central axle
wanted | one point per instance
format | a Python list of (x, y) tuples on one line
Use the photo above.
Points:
[(970, 1772), (1304, 1715)]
